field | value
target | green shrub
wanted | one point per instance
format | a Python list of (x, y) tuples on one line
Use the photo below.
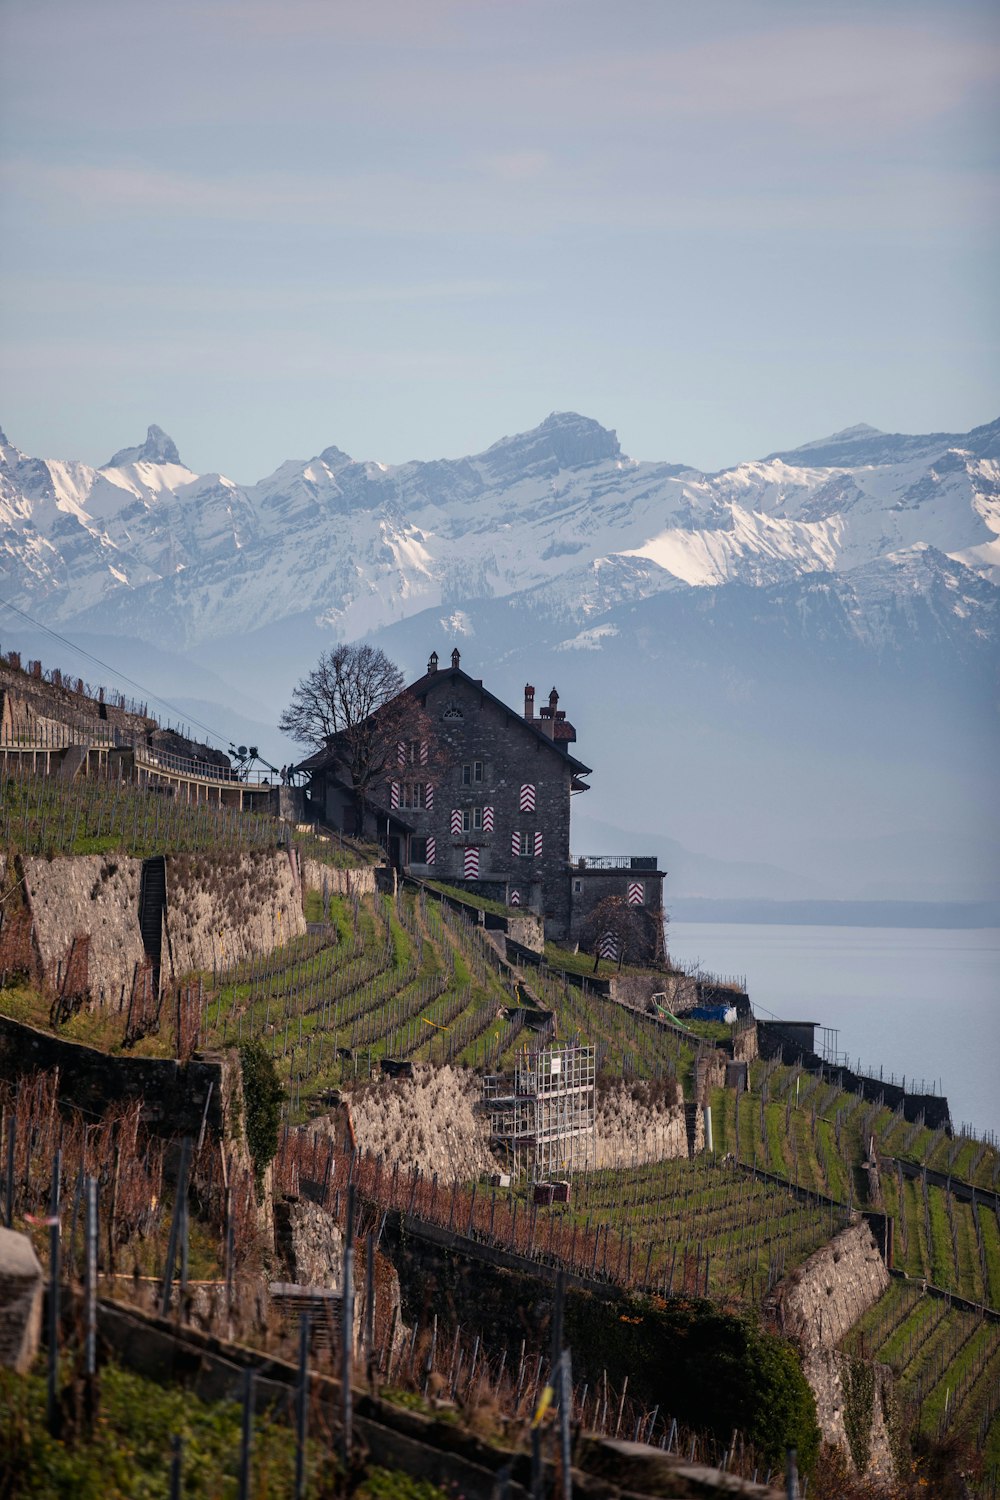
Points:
[(712, 1369), (263, 1097)]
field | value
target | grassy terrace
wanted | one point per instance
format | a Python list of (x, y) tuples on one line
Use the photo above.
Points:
[(946, 1361), (411, 979), (810, 1132), (406, 979), (474, 902), (702, 1225), (129, 1452), (41, 815)]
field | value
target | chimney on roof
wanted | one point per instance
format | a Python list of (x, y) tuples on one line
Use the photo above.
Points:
[(432, 664), (455, 657), (529, 701)]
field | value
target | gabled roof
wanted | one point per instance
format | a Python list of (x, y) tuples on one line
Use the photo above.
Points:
[(433, 680)]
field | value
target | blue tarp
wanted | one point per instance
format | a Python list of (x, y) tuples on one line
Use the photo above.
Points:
[(708, 1013)]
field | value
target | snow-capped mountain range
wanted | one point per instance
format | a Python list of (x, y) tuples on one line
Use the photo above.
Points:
[(144, 540), (788, 666)]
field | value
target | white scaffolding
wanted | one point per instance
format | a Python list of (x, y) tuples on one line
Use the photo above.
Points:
[(544, 1121)]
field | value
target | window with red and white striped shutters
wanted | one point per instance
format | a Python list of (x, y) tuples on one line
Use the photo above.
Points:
[(471, 862), (636, 893), (528, 797)]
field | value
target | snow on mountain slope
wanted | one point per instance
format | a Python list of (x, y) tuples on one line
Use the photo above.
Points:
[(359, 545)]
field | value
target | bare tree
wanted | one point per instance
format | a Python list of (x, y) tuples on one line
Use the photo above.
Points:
[(345, 687), (353, 703), (626, 933)]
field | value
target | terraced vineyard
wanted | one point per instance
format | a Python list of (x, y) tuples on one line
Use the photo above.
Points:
[(705, 1226), (799, 1127), (41, 815), (946, 1361), (405, 979), (410, 979)]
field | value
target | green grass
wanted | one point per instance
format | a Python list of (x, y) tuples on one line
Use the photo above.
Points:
[(128, 1456), (475, 901), (583, 963)]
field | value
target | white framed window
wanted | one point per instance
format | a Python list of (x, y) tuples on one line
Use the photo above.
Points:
[(413, 794), (472, 773), (472, 819)]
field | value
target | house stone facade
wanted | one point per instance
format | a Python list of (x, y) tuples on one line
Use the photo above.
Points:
[(493, 813), (484, 804)]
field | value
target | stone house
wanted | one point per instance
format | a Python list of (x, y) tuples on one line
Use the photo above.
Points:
[(487, 806)]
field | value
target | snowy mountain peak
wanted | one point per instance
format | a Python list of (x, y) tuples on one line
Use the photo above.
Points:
[(159, 448), (856, 434), (565, 440), (335, 458)]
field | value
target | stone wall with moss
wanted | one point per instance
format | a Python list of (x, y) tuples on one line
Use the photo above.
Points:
[(817, 1305)]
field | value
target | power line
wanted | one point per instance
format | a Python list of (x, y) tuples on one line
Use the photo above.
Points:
[(147, 693)]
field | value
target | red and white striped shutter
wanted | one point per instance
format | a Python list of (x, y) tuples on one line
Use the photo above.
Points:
[(528, 797), (636, 894), (487, 820), (423, 752), (515, 843), (515, 898), (429, 795), (394, 794), (538, 844), (471, 862), (431, 851), (401, 753), (608, 946), (456, 820)]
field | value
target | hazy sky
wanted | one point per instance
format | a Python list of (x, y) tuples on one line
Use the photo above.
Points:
[(408, 227)]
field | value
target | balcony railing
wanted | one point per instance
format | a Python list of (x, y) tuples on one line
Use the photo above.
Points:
[(616, 862)]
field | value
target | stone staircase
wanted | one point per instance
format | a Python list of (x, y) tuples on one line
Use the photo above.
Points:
[(152, 905)]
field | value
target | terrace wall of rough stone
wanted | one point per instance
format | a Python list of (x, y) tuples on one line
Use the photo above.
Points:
[(220, 909), (93, 895), (817, 1305), (336, 882), (433, 1121), (174, 1094), (821, 1301)]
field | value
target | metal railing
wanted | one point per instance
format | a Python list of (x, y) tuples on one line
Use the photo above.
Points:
[(55, 735), (615, 862)]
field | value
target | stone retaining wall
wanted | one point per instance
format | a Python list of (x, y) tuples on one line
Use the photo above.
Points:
[(359, 881), (92, 894), (174, 1094), (817, 1305), (222, 908)]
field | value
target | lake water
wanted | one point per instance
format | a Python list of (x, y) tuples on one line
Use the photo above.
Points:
[(924, 1002)]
